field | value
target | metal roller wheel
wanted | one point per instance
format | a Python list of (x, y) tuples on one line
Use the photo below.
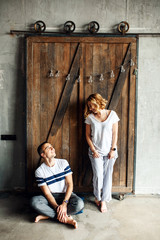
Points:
[(123, 27), (40, 26), (69, 26), (93, 27)]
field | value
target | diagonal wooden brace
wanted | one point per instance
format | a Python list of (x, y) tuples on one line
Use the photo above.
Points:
[(120, 81), (66, 93)]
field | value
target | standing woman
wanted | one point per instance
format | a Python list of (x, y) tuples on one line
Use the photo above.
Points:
[(101, 136)]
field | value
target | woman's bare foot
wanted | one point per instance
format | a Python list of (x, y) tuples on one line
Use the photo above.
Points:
[(97, 202), (103, 207), (71, 221), (40, 217)]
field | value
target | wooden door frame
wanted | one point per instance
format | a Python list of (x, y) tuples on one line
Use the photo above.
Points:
[(83, 38)]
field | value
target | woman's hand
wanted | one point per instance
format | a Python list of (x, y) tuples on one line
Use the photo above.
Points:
[(111, 154), (95, 154)]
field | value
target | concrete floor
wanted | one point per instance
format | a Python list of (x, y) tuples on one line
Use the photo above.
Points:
[(135, 217)]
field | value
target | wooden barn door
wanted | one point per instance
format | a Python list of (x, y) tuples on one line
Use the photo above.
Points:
[(55, 105)]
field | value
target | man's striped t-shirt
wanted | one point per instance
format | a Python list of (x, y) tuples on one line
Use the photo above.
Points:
[(54, 176)]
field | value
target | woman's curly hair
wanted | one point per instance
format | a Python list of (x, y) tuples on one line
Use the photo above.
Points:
[(96, 99)]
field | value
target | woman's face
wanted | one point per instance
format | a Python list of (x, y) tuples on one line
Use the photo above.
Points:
[(93, 107)]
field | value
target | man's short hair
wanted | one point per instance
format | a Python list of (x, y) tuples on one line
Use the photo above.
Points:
[(39, 149)]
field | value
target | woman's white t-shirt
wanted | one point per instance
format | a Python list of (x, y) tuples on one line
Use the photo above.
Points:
[(101, 132)]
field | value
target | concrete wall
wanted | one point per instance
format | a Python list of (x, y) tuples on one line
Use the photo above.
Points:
[(142, 15)]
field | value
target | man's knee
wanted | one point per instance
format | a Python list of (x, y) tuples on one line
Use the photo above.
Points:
[(33, 202), (78, 204), (36, 201)]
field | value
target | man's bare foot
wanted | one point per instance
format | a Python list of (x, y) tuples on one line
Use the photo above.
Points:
[(71, 221), (97, 202), (40, 217), (103, 207)]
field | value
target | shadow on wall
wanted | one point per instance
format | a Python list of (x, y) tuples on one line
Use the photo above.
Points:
[(19, 164)]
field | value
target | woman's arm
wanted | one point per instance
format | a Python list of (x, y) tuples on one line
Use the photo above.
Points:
[(114, 139), (89, 141)]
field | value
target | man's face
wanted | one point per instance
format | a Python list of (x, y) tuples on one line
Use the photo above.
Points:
[(48, 150)]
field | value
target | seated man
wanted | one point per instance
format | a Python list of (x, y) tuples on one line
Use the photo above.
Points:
[(54, 177)]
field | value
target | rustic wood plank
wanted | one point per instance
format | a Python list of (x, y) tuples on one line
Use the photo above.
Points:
[(44, 82), (131, 119), (113, 60), (65, 124), (36, 105), (73, 123), (29, 114), (102, 69), (65, 97), (118, 58), (98, 39), (96, 67), (120, 82), (105, 67), (124, 127), (88, 69), (81, 86), (116, 190), (86, 175), (57, 140), (121, 189), (51, 64)]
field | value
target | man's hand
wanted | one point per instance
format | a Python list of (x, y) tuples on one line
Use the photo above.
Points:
[(62, 209), (62, 212)]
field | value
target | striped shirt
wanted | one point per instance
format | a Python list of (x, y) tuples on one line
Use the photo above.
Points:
[(53, 177)]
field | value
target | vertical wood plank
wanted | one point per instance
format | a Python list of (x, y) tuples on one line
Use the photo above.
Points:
[(29, 113), (36, 104), (120, 160), (59, 85), (44, 82), (103, 69), (52, 85), (96, 67), (65, 124), (74, 125), (113, 50), (112, 58), (80, 112), (131, 119), (124, 130), (86, 175)]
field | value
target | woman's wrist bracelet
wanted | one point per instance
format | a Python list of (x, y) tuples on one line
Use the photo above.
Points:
[(113, 149)]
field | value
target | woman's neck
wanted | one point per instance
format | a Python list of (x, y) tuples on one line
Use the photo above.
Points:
[(102, 115), (101, 112)]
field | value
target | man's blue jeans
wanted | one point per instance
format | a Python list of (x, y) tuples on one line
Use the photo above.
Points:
[(41, 205)]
